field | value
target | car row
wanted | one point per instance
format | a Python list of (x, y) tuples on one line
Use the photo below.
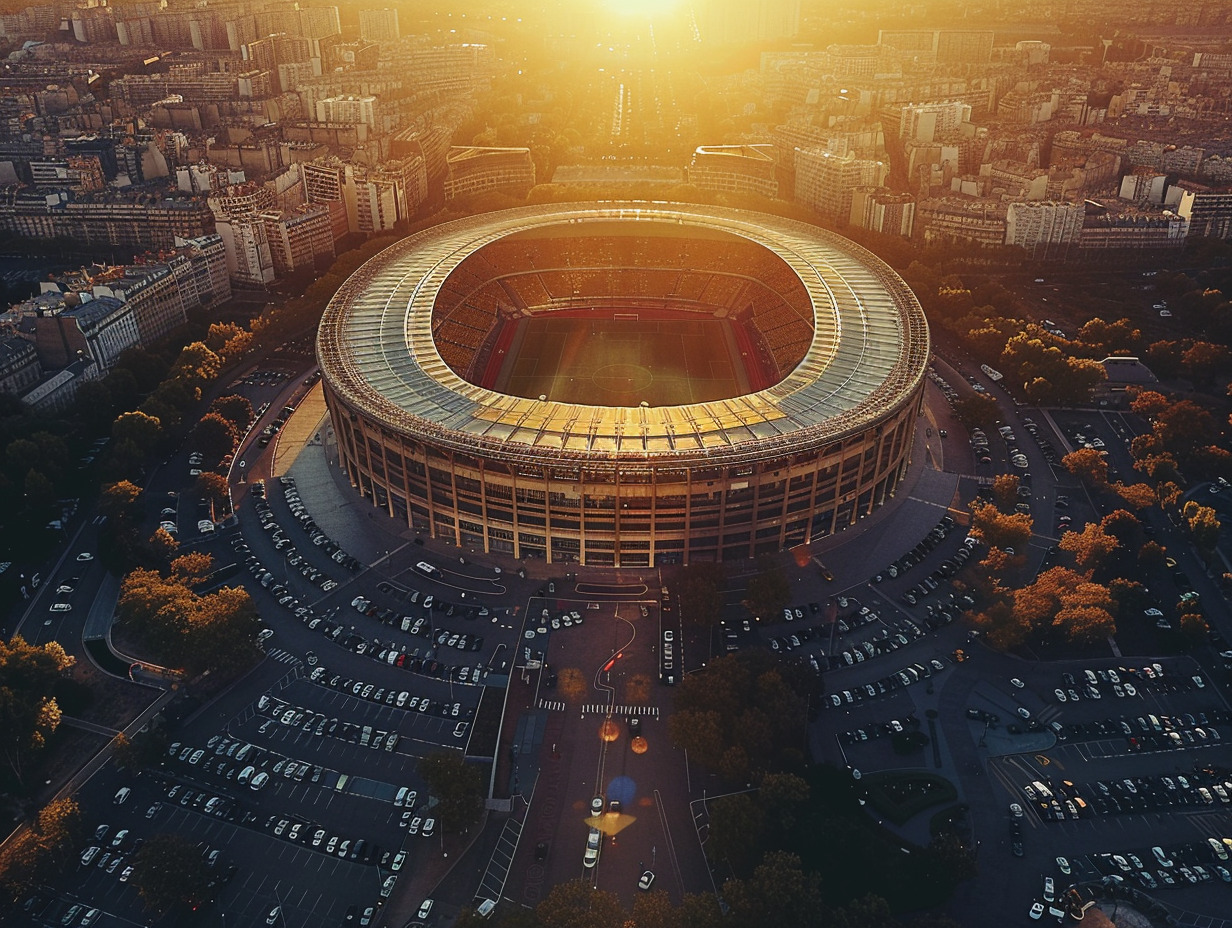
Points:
[(391, 696), (907, 676)]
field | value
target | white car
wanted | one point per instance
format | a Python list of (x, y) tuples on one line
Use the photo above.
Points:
[(1037, 910)]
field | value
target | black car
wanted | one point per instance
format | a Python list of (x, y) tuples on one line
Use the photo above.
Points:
[(541, 851)]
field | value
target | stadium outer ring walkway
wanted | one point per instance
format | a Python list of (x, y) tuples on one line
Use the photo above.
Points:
[(625, 486)]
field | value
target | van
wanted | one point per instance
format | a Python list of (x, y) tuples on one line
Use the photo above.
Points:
[(425, 567)]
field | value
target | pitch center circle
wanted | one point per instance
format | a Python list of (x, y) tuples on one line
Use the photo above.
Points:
[(622, 377)]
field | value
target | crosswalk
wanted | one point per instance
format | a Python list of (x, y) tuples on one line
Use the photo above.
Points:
[(597, 708), (556, 705), (278, 654)]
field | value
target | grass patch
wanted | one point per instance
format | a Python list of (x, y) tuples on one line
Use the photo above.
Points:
[(899, 795)]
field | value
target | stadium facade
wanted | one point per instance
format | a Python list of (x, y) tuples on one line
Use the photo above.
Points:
[(408, 343)]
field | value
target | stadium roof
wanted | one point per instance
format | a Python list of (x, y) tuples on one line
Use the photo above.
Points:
[(868, 356)]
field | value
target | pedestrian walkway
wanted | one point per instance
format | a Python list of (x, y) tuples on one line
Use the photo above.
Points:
[(492, 886), (553, 705), (277, 654), (599, 708)]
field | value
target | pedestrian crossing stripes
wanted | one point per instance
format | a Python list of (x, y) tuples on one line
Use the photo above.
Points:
[(596, 708), (277, 654), (552, 705)]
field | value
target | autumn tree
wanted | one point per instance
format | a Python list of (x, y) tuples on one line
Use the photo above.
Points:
[(1092, 547), (214, 437), (1203, 523), (1088, 465), (1067, 602), (1136, 495), (29, 713), (1005, 490), (998, 529), (212, 487), (216, 631), (977, 411), (1203, 362), (235, 409)]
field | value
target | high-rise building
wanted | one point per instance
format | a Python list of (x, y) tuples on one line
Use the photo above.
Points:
[(879, 209), (246, 242), (19, 365), (473, 170), (299, 240), (735, 169), (1209, 211), (824, 181), (373, 199), (379, 25), (349, 110), (928, 122), (1044, 230)]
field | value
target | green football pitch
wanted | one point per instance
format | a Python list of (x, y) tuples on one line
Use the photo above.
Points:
[(623, 361)]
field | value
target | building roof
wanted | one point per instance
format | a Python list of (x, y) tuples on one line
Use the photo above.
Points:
[(868, 356)]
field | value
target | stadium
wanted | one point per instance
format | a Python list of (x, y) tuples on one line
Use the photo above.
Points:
[(624, 384)]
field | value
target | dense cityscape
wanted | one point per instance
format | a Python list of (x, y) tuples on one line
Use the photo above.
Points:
[(609, 464)]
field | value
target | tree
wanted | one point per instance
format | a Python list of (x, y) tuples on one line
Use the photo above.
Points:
[(169, 871), (1092, 548), (1136, 495), (1203, 524), (1204, 361), (140, 430), (235, 409), (699, 592), (737, 830), (212, 487), (1000, 530), (1005, 490), (457, 786), (214, 437), (576, 904), (28, 711), (978, 411), (767, 592), (118, 501), (1088, 465), (780, 892), (60, 827)]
